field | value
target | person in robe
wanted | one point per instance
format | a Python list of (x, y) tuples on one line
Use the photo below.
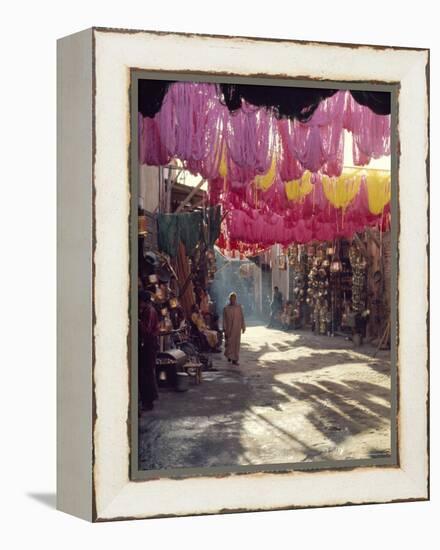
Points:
[(199, 322), (148, 330), (233, 327)]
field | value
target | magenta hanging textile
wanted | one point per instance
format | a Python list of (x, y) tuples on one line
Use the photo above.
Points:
[(194, 126), (289, 166), (251, 159), (371, 132), (151, 149), (189, 126), (318, 144), (265, 218), (250, 139), (264, 231)]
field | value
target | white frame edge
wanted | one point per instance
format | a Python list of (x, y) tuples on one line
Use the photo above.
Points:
[(115, 496)]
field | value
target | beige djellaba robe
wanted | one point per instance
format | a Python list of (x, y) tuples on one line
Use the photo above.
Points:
[(233, 324)]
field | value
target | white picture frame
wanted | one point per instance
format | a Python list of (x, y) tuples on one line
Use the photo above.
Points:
[(93, 399)]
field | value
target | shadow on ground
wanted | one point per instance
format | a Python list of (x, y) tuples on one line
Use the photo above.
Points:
[(295, 397), (48, 499)]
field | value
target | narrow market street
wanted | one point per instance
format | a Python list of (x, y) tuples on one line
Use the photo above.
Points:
[(295, 397)]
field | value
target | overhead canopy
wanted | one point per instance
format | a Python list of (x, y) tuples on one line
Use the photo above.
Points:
[(195, 127), (274, 156), (285, 101)]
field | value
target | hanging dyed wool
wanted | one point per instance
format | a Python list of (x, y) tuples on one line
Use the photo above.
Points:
[(280, 180), (249, 139), (371, 132), (341, 191), (196, 127), (327, 209), (379, 191), (298, 189), (152, 151)]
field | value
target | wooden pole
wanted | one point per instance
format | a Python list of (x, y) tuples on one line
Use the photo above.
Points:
[(189, 197)]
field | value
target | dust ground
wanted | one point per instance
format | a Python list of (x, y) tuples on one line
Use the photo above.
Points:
[(295, 397)]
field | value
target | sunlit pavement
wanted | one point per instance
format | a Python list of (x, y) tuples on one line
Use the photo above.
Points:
[(295, 397)]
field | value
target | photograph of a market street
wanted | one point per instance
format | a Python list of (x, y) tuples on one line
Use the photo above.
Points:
[(264, 298)]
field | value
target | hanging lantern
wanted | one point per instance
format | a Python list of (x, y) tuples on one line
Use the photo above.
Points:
[(336, 266)]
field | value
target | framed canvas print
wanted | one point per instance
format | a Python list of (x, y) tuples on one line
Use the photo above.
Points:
[(242, 274)]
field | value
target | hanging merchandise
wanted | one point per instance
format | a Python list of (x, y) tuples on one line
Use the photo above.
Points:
[(298, 262), (359, 280), (211, 264), (293, 254), (318, 294)]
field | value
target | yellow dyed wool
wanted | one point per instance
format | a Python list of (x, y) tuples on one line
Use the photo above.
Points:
[(341, 191), (298, 189), (379, 190), (223, 168), (266, 180)]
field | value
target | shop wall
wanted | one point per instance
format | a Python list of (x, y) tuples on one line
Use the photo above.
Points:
[(149, 187), (280, 277), (257, 289)]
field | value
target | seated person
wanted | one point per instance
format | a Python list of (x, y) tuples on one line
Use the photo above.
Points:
[(205, 304), (288, 316), (199, 322)]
